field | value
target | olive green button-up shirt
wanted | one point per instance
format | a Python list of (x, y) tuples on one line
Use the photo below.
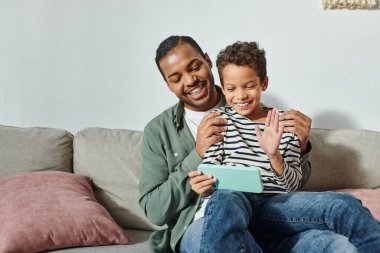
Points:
[(168, 155)]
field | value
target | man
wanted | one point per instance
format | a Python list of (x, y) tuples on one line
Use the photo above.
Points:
[(170, 157)]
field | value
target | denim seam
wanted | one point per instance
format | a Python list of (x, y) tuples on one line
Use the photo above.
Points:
[(295, 220)]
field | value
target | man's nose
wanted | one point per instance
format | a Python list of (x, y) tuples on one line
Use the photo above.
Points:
[(189, 79)]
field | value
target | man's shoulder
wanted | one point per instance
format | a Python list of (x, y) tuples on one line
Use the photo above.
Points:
[(164, 119)]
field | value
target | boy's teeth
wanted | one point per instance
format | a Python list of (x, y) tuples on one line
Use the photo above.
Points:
[(241, 105)]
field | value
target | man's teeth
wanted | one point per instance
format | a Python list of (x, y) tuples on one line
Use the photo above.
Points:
[(196, 91)]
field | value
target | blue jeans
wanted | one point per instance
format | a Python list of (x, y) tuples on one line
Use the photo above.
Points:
[(294, 222)]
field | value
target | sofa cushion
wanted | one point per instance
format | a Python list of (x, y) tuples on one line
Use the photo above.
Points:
[(34, 149), (344, 159), (139, 244), (111, 157), (48, 210)]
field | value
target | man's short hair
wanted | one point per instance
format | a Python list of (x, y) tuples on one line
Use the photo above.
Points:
[(243, 54), (172, 42)]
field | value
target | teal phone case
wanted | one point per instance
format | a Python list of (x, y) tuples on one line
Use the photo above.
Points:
[(237, 178)]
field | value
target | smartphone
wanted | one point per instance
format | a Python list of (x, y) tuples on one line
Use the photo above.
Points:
[(237, 178)]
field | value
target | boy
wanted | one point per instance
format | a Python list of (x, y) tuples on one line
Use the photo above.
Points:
[(242, 71), (255, 137)]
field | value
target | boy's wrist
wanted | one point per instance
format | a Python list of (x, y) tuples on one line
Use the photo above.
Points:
[(277, 162)]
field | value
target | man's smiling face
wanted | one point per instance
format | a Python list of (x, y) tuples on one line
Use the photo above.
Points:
[(188, 75)]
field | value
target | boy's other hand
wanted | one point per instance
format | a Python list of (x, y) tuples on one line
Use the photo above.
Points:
[(209, 132), (270, 139), (298, 123)]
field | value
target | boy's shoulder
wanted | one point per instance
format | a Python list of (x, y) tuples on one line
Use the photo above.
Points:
[(225, 110)]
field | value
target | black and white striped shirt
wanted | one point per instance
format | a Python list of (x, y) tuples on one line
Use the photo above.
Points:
[(240, 147)]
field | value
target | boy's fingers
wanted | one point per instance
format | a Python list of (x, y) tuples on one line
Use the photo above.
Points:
[(267, 120)]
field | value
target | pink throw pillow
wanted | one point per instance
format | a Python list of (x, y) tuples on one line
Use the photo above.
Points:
[(370, 198), (42, 211)]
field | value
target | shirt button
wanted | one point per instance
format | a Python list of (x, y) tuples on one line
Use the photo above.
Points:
[(175, 154)]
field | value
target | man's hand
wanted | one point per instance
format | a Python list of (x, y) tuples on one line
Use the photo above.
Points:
[(200, 183), (209, 132), (298, 123)]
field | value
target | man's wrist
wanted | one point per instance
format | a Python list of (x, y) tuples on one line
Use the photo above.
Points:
[(307, 149)]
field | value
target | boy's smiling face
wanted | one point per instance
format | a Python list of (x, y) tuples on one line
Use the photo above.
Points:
[(242, 88)]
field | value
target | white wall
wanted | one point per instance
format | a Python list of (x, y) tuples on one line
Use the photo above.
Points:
[(74, 63)]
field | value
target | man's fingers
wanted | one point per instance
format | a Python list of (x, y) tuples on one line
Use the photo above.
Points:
[(216, 121), (204, 184), (295, 115), (198, 179), (211, 118), (212, 127), (205, 191), (215, 138), (281, 129), (214, 130), (194, 173)]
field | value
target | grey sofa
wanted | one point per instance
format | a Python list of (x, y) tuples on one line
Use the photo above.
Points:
[(111, 158)]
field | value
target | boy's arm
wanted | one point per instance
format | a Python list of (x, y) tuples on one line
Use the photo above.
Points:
[(286, 165), (292, 175), (215, 154), (300, 124)]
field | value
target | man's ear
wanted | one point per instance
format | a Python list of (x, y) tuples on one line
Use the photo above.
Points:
[(208, 60), (265, 83)]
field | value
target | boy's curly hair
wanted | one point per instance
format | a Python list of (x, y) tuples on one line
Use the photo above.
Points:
[(243, 54)]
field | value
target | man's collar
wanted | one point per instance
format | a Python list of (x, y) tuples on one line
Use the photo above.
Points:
[(180, 108)]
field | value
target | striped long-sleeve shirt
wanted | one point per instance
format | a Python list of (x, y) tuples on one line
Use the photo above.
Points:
[(240, 147)]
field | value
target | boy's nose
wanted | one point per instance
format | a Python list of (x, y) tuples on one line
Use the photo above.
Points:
[(241, 94)]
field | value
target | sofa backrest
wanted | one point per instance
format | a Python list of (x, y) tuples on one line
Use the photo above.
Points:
[(34, 149), (344, 159), (111, 158)]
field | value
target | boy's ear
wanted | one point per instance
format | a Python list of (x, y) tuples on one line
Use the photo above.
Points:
[(208, 60), (265, 83)]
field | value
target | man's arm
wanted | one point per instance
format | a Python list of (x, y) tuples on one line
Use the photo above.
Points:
[(164, 191), (306, 165)]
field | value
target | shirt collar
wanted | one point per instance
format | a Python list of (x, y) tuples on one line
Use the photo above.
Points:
[(178, 117)]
